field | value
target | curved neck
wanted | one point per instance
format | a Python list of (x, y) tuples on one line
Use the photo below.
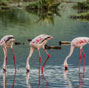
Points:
[(30, 54), (70, 53)]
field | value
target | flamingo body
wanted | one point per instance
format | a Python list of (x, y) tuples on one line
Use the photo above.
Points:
[(78, 42), (7, 42), (38, 42)]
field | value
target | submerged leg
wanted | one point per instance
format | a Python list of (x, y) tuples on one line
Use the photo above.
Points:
[(83, 60), (79, 79), (28, 58), (39, 65), (80, 60), (13, 58), (5, 58), (14, 80), (45, 60)]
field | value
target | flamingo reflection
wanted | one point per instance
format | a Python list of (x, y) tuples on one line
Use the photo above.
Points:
[(14, 80), (5, 81), (81, 80), (27, 80), (44, 80), (67, 79)]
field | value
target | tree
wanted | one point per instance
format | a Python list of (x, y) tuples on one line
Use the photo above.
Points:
[(87, 0)]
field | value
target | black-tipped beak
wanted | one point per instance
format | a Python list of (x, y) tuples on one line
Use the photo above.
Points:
[(66, 68), (27, 70)]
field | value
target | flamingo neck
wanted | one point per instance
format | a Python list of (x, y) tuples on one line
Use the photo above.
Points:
[(65, 62), (70, 53), (28, 58)]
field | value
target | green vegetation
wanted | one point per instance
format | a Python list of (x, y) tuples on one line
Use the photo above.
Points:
[(43, 5), (82, 16), (83, 11), (45, 10), (10, 4), (82, 6), (4, 6)]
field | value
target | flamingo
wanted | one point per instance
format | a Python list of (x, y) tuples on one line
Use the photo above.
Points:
[(78, 42), (37, 43), (7, 42)]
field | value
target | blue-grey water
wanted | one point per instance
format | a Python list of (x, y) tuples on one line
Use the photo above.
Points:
[(23, 25)]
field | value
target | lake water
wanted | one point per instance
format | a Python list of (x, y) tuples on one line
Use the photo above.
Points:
[(23, 25)]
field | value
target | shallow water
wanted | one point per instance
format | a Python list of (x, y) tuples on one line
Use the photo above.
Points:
[(23, 26)]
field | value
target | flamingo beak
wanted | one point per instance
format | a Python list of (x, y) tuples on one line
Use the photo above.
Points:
[(66, 67)]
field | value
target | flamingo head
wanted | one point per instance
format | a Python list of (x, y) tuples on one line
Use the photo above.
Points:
[(27, 68), (50, 37), (66, 66)]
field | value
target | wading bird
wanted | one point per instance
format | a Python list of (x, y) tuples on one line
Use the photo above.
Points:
[(38, 42), (77, 42), (7, 42)]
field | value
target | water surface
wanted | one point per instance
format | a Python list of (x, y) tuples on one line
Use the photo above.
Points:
[(23, 25)]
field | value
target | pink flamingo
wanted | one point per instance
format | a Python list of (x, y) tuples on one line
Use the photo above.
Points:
[(38, 43), (77, 42), (7, 42)]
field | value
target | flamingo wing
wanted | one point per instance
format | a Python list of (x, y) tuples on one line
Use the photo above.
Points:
[(39, 39), (6, 39), (80, 41)]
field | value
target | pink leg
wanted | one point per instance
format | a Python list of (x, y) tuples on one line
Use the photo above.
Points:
[(13, 58), (45, 81), (83, 60), (39, 65), (83, 78), (14, 80), (5, 59), (80, 60), (79, 79), (45, 60)]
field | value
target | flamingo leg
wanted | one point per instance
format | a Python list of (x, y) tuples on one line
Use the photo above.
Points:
[(45, 81), (39, 65), (5, 58), (14, 80), (45, 60), (83, 60), (79, 79), (80, 60), (83, 77), (13, 58)]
